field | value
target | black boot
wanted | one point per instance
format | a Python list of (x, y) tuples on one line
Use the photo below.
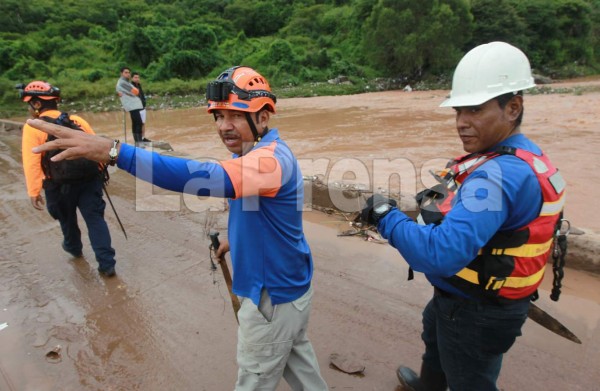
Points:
[(428, 381), (409, 380)]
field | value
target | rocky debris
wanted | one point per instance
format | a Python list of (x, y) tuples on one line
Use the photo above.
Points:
[(540, 79), (346, 363), (340, 80), (8, 125), (583, 250), (348, 197), (385, 84)]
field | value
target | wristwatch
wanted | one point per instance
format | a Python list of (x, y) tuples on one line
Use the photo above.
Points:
[(113, 154), (381, 210)]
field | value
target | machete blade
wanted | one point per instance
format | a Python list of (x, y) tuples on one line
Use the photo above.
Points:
[(541, 317)]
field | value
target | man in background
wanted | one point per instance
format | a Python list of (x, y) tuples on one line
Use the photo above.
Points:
[(135, 80), (131, 102), (70, 185)]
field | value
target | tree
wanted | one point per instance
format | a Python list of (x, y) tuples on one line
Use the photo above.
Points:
[(595, 30), (407, 38), (309, 22), (575, 28), (23, 16), (258, 18), (193, 54), (560, 31), (235, 50), (497, 20)]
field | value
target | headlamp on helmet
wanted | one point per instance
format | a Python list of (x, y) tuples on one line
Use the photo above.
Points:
[(37, 89), (240, 88), (219, 91)]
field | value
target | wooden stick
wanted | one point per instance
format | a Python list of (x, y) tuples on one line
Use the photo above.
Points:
[(235, 303)]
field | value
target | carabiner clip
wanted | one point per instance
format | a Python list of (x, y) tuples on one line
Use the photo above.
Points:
[(568, 230)]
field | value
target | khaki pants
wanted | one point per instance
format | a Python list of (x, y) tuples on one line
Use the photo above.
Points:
[(272, 343)]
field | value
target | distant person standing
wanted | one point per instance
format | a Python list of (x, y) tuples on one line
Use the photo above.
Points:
[(131, 102), (135, 80), (69, 185)]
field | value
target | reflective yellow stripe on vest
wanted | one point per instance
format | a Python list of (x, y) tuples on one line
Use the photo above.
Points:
[(553, 208), (525, 251), (495, 283)]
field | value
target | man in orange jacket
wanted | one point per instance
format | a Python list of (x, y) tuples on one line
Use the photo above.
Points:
[(68, 187)]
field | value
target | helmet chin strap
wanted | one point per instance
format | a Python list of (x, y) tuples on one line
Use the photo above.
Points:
[(36, 112), (257, 136), (252, 127)]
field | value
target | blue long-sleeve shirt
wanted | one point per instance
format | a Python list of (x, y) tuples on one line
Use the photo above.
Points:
[(265, 191), (502, 194)]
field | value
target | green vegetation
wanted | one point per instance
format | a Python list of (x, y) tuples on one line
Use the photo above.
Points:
[(177, 46)]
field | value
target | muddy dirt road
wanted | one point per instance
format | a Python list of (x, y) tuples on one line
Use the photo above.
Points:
[(165, 323)]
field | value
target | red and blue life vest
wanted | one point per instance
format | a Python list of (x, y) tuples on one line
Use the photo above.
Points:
[(511, 265)]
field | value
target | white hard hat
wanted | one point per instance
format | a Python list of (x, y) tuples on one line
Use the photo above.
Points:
[(488, 71)]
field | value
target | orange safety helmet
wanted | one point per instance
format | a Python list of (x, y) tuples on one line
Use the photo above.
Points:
[(240, 88), (38, 89)]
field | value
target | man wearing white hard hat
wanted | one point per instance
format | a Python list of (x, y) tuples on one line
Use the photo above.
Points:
[(485, 233)]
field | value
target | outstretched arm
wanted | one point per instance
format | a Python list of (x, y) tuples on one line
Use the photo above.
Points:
[(169, 172), (76, 144)]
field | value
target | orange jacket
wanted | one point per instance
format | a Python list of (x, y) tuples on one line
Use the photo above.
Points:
[(32, 162)]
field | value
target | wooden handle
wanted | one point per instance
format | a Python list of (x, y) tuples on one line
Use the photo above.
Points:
[(235, 303)]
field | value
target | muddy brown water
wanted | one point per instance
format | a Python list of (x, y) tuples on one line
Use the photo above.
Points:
[(165, 323)]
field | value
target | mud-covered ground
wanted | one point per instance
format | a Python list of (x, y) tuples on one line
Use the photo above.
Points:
[(165, 322)]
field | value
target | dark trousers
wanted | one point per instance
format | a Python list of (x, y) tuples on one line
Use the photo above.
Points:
[(136, 124), (63, 200), (467, 339)]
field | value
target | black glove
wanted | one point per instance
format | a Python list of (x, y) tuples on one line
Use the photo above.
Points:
[(370, 215)]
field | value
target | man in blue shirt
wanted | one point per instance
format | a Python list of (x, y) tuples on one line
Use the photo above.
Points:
[(484, 233), (272, 262)]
